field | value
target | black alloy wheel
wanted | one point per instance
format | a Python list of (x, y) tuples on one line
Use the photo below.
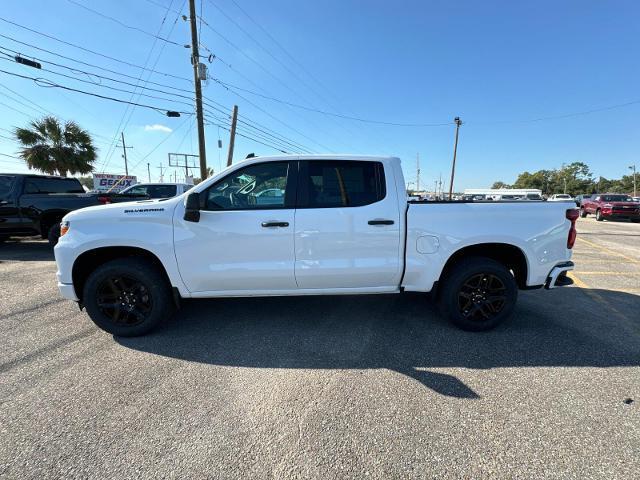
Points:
[(125, 300), (478, 293), (128, 296), (481, 297)]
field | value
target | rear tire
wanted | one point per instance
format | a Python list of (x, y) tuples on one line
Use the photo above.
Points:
[(478, 294), (128, 297), (583, 213), (54, 235), (635, 220), (599, 216)]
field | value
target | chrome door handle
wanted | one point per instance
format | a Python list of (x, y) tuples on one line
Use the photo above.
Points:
[(275, 224), (380, 222)]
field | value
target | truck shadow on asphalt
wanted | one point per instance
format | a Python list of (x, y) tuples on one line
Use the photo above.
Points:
[(558, 328), (20, 250)]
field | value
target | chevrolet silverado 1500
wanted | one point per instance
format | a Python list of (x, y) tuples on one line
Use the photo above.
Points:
[(309, 225)]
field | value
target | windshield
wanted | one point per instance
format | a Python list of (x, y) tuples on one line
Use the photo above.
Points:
[(562, 195), (617, 198)]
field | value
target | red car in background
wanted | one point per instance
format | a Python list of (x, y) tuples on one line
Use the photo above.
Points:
[(611, 205)]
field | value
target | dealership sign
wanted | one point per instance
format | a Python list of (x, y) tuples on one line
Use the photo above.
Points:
[(104, 182)]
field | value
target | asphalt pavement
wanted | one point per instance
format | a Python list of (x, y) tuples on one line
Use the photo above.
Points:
[(327, 387)]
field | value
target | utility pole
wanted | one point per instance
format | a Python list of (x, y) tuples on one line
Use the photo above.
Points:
[(418, 172), (435, 188), (149, 171), (124, 154), (633, 167), (458, 122), (440, 183), (195, 60), (232, 135), (161, 173)]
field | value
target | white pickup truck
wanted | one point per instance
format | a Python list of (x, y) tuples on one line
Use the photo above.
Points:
[(309, 225)]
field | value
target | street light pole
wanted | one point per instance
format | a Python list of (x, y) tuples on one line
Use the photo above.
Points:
[(458, 122), (633, 167)]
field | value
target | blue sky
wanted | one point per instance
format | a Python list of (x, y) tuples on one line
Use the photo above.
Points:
[(497, 65)]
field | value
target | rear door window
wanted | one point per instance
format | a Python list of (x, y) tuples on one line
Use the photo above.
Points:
[(341, 183), (52, 185), (6, 185), (161, 191)]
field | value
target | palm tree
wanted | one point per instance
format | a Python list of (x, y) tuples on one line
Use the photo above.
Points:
[(53, 148)]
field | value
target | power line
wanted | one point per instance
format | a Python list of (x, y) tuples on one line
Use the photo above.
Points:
[(96, 75), (90, 74), (111, 87), (149, 55), (83, 63), (119, 22), (333, 114), (34, 105), (51, 37), (43, 82)]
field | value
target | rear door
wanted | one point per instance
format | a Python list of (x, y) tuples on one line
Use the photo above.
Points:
[(347, 222)]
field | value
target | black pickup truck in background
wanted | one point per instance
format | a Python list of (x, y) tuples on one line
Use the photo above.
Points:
[(35, 204)]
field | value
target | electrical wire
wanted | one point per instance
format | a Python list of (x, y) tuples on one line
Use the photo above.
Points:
[(124, 115), (64, 42), (119, 22), (43, 82), (333, 114)]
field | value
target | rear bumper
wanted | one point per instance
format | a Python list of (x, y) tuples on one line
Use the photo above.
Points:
[(557, 276), (67, 291)]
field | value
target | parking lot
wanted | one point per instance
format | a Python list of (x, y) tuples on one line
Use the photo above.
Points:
[(330, 387)]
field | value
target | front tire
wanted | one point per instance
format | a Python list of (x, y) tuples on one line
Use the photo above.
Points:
[(54, 235), (478, 294), (128, 297), (599, 216), (583, 213)]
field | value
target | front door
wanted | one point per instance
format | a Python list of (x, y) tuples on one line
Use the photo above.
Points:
[(347, 226), (243, 242)]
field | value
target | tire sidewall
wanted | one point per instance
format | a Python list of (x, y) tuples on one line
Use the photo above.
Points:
[(459, 274), (143, 272), (54, 234)]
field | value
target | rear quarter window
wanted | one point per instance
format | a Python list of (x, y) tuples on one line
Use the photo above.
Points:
[(6, 185), (52, 185)]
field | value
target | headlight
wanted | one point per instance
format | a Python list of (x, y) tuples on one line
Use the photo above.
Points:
[(64, 227)]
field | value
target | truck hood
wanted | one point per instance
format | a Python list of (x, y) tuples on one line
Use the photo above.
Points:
[(140, 208)]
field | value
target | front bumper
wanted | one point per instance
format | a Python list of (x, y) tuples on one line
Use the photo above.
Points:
[(557, 276), (67, 291)]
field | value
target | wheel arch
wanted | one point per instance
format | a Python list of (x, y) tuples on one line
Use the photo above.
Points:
[(511, 256), (89, 260)]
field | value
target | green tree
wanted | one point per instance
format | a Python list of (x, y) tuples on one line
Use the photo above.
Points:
[(500, 184), (56, 148), (86, 182)]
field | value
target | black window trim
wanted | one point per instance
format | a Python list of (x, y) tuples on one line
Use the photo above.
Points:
[(34, 179), (302, 200), (290, 193)]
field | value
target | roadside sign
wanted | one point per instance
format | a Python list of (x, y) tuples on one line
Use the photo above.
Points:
[(103, 182)]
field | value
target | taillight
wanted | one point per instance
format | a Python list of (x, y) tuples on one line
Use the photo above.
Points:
[(572, 215), (104, 200)]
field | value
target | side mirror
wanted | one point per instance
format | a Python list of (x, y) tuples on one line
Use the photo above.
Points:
[(192, 207)]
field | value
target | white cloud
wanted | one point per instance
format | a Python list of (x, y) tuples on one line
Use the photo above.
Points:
[(156, 127)]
